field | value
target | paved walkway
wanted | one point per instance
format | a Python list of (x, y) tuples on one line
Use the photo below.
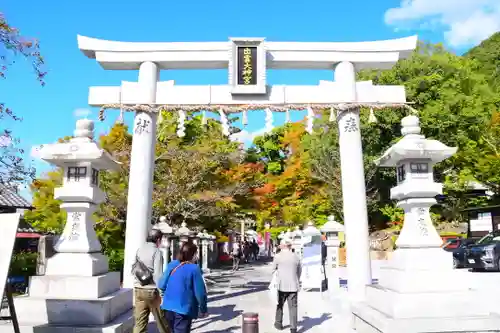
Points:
[(246, 291)]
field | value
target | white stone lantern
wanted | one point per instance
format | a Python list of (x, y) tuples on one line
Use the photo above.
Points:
[(204, 238), (297, 240), (311, 233), (414, 156), (419, 285), (166, 240), (81, 160), (331, 229), (184, 233), (213, 249), (297, 233), (77, 290), (288, 236)]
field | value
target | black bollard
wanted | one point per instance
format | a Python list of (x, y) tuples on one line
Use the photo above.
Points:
[(250, 323)]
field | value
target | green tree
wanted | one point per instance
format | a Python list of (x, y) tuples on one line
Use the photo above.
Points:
[(487, 55), (46, 215), (291, 195), (13, 167), (454, 103), (194, 181)]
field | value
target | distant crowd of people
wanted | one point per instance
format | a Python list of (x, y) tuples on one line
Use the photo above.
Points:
[(245, 251)]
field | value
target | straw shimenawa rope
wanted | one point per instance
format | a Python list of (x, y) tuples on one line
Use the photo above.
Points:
[(228, 109)]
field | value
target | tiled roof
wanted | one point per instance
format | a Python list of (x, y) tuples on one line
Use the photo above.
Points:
[(11, 199), (25, 227)]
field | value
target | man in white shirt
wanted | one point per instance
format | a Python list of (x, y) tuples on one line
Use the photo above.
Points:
[(288, 268)]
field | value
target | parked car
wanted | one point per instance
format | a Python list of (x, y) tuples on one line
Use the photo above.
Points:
[(485, 253), (458, 248)]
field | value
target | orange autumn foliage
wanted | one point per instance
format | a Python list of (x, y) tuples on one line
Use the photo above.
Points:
[(265, 189)]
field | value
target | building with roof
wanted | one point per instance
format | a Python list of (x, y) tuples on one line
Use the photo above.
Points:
[(12, 202)]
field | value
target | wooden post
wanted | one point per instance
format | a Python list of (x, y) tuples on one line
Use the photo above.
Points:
[(12, 309)]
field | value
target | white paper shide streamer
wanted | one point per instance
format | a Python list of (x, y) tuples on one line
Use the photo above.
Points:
[(371, 117), (269, 120), (310, 120), (203, 117), (121, 117), (244, 118), (287, 116), (181, 128), (224, 122), (160, 118), (332, 115)]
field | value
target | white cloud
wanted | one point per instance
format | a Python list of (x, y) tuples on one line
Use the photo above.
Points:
[(465, 22), (82, 113), (247, 137)]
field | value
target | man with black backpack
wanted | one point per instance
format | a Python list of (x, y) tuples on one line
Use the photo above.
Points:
[(147, 270)]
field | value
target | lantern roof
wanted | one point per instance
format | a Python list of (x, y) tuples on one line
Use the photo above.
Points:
[(183, 230), (414, 145), (311, 230), (163, 226), (80, 148), (332, 226)]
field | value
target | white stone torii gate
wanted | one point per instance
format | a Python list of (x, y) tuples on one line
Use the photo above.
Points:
[(344, 94)]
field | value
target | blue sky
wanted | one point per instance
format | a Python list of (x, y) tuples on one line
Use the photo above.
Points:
[(49, 112)]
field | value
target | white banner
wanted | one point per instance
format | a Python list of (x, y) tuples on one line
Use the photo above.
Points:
[(312, 271)]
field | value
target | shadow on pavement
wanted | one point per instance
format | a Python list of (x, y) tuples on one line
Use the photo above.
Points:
[(213, 293), (307, 322), (218, 313), (250, 290), (227, 330)]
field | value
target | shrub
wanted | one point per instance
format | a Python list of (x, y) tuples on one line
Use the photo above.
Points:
[(23, 263)]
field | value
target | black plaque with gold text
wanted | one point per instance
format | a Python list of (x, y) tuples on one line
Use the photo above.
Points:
[(247, 65)]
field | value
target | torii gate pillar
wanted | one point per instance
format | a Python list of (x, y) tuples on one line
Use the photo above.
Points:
[(353, 187), (140, 182)]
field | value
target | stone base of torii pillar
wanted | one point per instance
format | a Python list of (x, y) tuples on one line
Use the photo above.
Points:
[(77, 294)]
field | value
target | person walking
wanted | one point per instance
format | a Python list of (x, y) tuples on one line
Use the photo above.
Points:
[(183, 289), (255, 250), (236, 254), (147, 270), (288, 269)]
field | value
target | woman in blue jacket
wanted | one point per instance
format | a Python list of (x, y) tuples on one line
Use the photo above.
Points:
[(183, 290)]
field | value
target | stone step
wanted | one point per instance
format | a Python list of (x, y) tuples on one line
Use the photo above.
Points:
[(77, 264), (74, 287), (366, 319), (124, 323), (426, 304), (73, 312), (416, 281)]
